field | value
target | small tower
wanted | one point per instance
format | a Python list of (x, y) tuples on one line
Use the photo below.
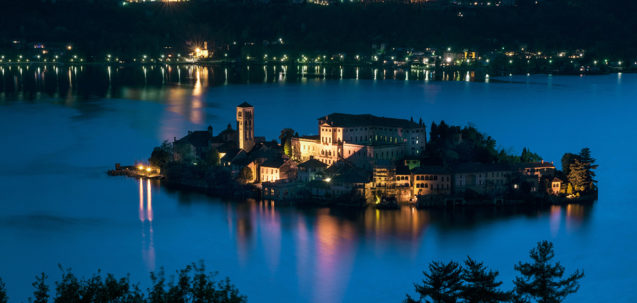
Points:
[(245, 126)]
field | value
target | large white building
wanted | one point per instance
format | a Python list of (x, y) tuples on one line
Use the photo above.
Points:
[(362, 139)]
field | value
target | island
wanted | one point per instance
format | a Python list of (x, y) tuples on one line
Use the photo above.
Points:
[(363, 160)]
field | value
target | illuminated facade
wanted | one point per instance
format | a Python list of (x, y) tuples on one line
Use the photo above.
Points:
[(431, 181), (361, 139), (245, 126)]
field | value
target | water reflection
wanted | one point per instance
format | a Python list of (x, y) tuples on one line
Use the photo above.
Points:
[(25, 82), (146, 219), (325, 242)]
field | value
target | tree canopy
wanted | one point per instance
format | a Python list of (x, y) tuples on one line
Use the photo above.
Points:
[(541, 279), (580, 171), (3, 293), (442, 283), (192, 284), (450, 144), (480, 284)]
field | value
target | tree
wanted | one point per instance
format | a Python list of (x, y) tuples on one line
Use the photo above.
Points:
[(68, 289), (286, 140), (567, 160), (41, 293), (589, 166), (527, 156), (480, 284), (161, 155), (442, 283), (246, 174), (194, 285), (578, 176), (212, 158), (3, 293), (157, 294), (542, 280)]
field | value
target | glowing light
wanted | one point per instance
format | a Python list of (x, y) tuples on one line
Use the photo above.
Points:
[(141, 200), (149, 202), (328, 180)]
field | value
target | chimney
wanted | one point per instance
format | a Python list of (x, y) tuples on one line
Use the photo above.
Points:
[(210, 130)]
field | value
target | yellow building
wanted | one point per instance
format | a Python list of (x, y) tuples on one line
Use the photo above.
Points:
[(431, 181)]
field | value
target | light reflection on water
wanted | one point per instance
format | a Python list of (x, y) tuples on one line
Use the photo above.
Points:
[(291, 254), (146, 219)]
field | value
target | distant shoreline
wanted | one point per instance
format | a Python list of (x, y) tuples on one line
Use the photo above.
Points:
[(481, 72)]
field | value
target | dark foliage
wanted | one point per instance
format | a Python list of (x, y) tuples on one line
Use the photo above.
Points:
[(161, 155), (580, 171), (442, 283), (567, 160), (3, 293), (192, 285), (450, 144), (97, 27), (41, 292), (541, 279), (480, 285)]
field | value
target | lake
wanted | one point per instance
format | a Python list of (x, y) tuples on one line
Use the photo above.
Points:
[(63, 127)]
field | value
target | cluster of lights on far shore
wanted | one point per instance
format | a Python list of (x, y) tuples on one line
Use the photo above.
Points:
[(446, 59)]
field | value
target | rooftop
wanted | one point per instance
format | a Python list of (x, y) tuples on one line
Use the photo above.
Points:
[(312, 163), (245, 104), (475, 167), (198, 139), (273, 163), (349, 120), (431, 170), (535, 164)]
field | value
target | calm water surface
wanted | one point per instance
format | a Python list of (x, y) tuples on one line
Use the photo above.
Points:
[(62, 128)]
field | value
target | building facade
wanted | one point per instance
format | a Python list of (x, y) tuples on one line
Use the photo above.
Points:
[(245, 126), (361, 139)]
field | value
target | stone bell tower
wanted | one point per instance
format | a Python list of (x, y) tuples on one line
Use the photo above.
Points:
[(245, 126)]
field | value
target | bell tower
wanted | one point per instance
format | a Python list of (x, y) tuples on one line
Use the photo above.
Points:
[(245, 126)]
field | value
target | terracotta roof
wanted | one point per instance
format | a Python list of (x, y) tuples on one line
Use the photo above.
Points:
[(349, 120)]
